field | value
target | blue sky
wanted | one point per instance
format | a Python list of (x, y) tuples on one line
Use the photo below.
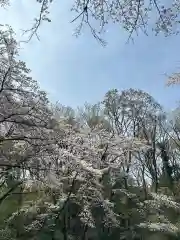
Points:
[(74, 70)]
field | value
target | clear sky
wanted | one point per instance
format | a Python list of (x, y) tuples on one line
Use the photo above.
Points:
[(74, 70)]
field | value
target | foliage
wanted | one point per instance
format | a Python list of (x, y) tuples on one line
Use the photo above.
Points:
[(109, 170), (133, 16)]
